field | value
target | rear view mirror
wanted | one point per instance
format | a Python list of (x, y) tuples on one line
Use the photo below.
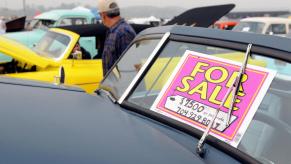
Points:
[(33, 45)]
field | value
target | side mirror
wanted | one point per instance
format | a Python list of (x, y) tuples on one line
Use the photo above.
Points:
[(33, 45), (60, 78), (270, 33)]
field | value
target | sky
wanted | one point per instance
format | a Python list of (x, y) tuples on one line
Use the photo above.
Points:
[(241, 5)]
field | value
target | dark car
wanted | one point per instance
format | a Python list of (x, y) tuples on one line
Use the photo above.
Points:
[(54, 124)]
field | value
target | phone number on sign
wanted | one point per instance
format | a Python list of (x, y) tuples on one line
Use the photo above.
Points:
[(193, 110), (197, 112)]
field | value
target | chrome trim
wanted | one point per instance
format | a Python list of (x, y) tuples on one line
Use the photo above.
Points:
[(151, 57)]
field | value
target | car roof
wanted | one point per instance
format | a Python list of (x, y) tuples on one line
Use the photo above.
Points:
[(37, 84), (45, 125), (57, 14), (273, 42), (226, 22), (267, 19)]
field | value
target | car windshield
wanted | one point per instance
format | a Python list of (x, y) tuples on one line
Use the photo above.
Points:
[(52, 45), (268, 138), (126, 69), (254, 27), (41, 23)]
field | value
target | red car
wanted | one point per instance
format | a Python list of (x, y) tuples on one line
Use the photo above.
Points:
[(225, 25)]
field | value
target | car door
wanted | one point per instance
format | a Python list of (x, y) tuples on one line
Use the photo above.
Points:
[(86, 73)]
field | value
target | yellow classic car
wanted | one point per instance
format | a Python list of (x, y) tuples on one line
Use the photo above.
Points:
[(54, 58), (54, 52)]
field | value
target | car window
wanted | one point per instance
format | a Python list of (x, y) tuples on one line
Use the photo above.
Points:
[(73, 21), (276, 29), (41, 23), (94, 21), (88, 44), (254, 27), (129, 65), (161, 70), (52, 45), (269, 136)]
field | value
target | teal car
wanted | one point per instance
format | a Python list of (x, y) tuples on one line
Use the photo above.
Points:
[(62, 18), (49, 19), (39, 25)]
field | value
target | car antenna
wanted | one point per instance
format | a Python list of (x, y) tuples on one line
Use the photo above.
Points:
[(234, 89)]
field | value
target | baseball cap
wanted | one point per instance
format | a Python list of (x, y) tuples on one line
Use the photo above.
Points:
[(107, 5)]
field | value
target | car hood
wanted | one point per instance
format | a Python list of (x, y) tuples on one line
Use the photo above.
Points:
[(65, 126), (22, 53)]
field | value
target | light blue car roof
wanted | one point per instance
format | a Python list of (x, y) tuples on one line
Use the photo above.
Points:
[(57, 14)]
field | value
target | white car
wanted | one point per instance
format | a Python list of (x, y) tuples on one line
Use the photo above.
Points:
[(264, 25)]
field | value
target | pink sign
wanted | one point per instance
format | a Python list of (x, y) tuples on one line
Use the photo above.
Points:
[(197, 87)]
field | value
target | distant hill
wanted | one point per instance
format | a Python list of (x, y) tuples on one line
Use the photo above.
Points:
[(128, 12), (166, 12)]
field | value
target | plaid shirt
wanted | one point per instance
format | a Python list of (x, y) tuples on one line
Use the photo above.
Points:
[(117, 39)]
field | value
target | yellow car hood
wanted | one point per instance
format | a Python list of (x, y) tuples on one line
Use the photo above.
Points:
[(239, 57), (22, 53)]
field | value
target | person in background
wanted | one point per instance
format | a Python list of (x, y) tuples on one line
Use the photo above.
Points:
[(2, 25), (119, 35), (79, 53)]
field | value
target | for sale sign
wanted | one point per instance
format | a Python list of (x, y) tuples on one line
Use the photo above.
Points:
[(198, 86)]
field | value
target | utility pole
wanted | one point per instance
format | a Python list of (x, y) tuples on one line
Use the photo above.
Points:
[(24, 6)]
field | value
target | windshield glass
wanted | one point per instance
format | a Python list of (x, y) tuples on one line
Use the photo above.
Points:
[(254, 27), (126, 69), (268, 137), (52, 45), (41, 23)]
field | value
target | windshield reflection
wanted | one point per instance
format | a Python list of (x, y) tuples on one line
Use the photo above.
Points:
[(52, 45), (126, 69)]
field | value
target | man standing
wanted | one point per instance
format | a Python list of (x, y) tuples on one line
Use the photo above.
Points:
[(119, 35)]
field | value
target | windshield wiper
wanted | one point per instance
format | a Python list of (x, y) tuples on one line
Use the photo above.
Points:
[(237, 82), (107, 93), (234, 89)]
